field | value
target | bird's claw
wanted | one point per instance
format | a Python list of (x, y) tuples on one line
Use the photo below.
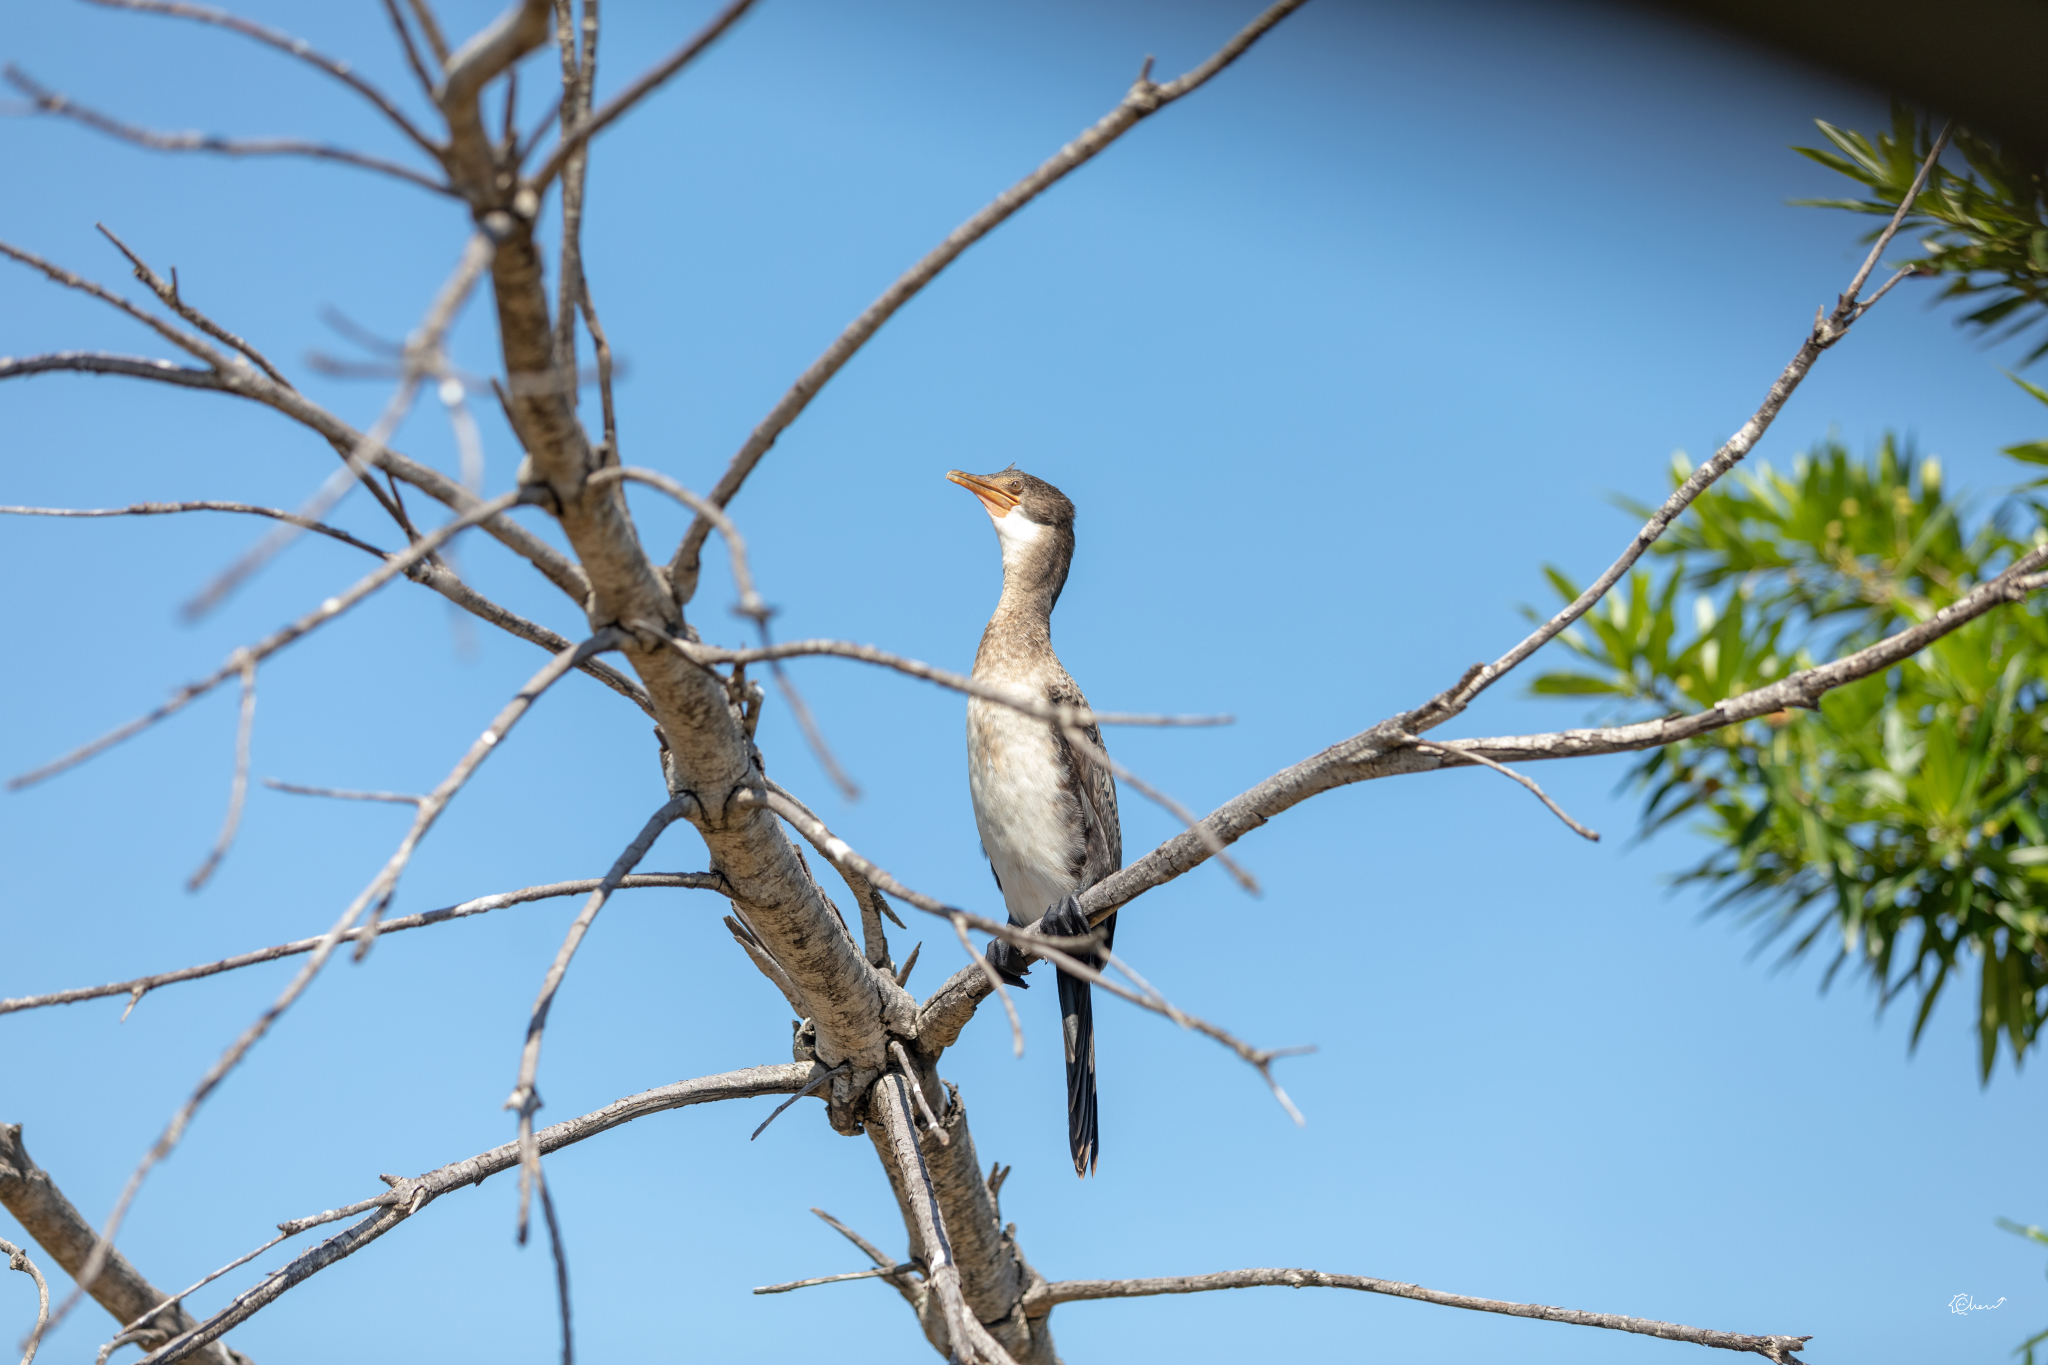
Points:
[(1010, 962)]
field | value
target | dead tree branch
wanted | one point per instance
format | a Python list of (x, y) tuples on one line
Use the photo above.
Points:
[(1142, 100), (57, 1226), (1774, 1348), (407, 1197)]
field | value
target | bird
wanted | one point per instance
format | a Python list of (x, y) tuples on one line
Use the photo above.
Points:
[(1045, 810)]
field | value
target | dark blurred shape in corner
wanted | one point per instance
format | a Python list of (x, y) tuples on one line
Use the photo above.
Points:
[(1980, 60)]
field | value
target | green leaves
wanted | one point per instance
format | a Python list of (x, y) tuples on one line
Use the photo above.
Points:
[(1985, 225), (1902, 823)]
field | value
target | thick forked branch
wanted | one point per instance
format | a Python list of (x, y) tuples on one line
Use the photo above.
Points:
[(62, 1231), (1775, 1348), (1144, 98), (407, 1197), (140, 986)]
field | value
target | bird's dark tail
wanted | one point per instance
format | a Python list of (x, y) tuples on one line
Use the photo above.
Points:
[(1077, 1022)]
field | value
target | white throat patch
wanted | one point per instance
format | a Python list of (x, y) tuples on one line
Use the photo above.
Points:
[(1017, 533)]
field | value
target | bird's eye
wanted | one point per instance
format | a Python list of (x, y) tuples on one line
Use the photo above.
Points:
[(1016, 486)]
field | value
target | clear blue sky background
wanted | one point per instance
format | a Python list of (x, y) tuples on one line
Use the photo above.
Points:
[(1332, 356)]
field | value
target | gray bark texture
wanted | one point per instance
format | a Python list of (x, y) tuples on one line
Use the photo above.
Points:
[(61, 1230)]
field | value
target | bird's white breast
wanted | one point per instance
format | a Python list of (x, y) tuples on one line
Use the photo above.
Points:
[(1023, 808)]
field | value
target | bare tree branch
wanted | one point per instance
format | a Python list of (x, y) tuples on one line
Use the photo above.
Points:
[(250, 655), (17, 1259), (238, 787), (167, 293), (1590, 836), (574, 138), (62, 1232), (1383, 752), (407, 1197), (482, 905), (1775, 1348), (290, 46), (432, 575), (49, 101), (1143, 99), (881, 1272), (372, 899), (969, 1340), (157, 509), (956, 682), (1826, 332), (422, 356), (525, 1098), (102, 362)]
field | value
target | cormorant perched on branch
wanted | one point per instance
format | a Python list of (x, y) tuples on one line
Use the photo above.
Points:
[(1046, 813)]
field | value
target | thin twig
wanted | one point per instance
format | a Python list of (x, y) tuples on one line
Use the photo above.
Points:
[(995, 983), (157, 509), (750, 604), (525, 1098), (1508, 772), (811, 1089), (344, 793), (412, 52), (931, 1120), (1825, 333), (238, 787), (561, 1258), (1382, 752), (956, 682), (51, 102), (130, 1330), (249, 655), (431, 27), (408, 1197), (17, 1259), (167, 292), (422, 356), (880, 1272), (1099, 756), (372, 898), (574, 138), (291, 47), (1141, 100), (1041, 1297)]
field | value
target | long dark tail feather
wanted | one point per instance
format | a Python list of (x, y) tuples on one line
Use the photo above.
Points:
[(1077, 1022)]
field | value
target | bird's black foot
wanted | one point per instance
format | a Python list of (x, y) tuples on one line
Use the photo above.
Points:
[(1065, 920), (1010, 962)]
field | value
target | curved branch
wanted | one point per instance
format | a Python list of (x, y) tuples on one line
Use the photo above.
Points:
[(291, 47), (1826, 332), (634, 93), (51, 102), (17, 1259), (482, 905), (1143, 99), (1383, 751), (407, 1197), (1044, 1297), (103, 362)]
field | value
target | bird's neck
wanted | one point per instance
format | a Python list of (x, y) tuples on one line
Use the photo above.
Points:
[(1034, 571)]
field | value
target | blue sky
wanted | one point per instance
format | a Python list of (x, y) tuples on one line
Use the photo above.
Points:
[(1333, 356)]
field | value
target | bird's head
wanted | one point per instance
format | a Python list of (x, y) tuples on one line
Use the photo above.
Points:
[(1034, 521)]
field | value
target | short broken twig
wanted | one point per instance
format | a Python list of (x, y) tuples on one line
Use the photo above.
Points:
[(880, 1272), (1508, 772), (811, 1089)]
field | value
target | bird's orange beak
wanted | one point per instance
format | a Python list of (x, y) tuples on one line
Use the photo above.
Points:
[(997, 500)]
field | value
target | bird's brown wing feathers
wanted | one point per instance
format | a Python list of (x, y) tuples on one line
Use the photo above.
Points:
[(1096, 788)]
